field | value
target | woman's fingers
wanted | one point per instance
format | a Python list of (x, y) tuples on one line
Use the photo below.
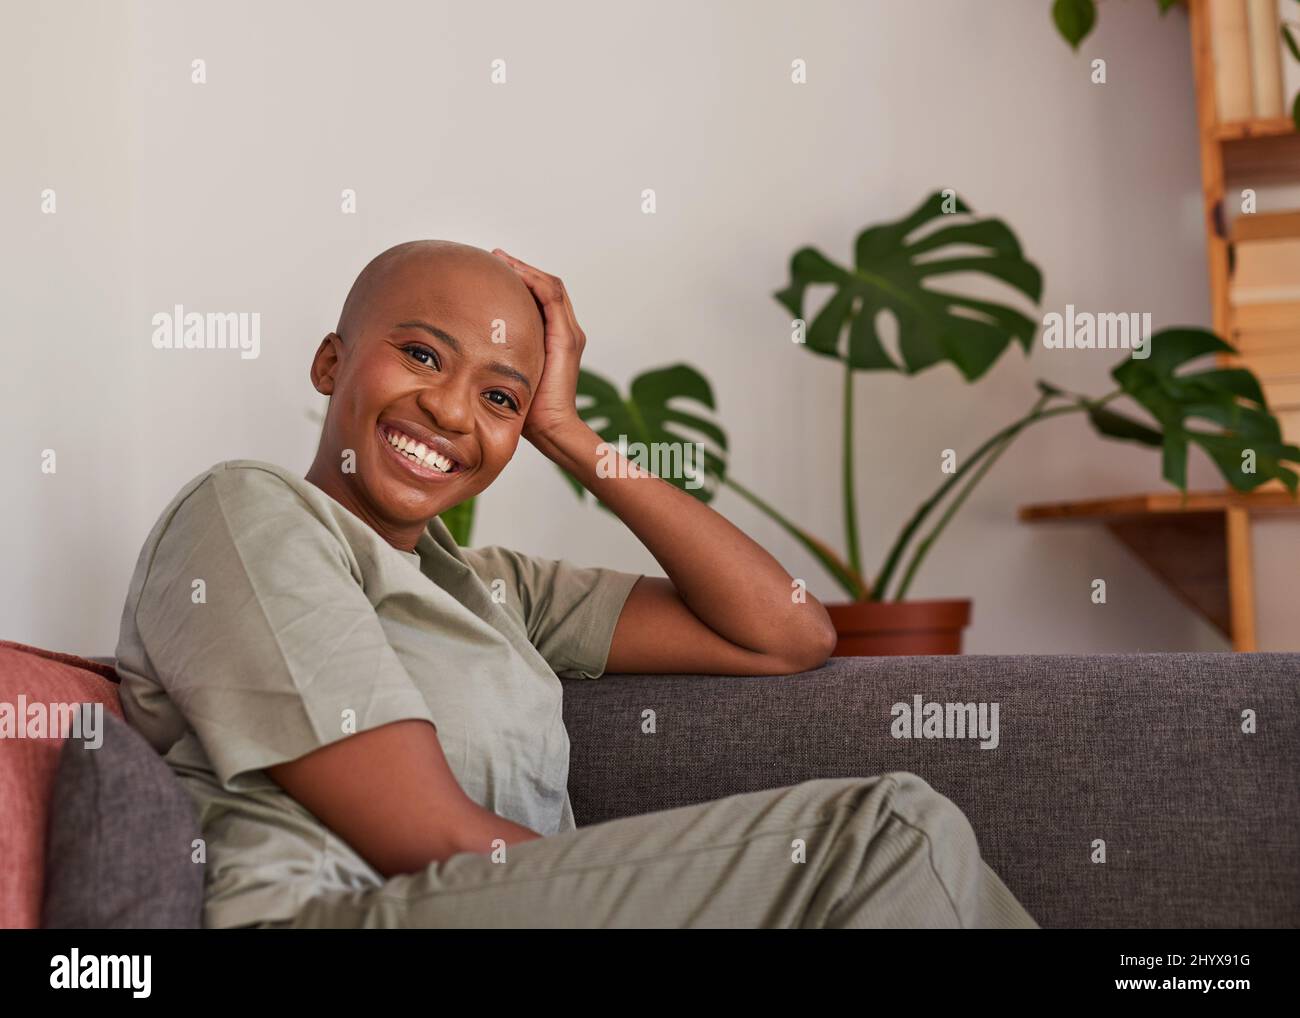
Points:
[(551, 287), (550, 293)]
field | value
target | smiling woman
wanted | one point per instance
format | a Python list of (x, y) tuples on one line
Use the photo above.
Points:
[(370, 716)]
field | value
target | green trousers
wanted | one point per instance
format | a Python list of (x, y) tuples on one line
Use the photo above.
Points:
[(887, 851)]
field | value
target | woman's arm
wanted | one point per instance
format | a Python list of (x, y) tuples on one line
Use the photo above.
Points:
[(390, 794), (727, 606)]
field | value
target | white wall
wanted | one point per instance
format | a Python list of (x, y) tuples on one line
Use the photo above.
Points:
[(225, 196)]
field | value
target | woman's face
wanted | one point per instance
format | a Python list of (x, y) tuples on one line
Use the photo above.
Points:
[(430, 379)]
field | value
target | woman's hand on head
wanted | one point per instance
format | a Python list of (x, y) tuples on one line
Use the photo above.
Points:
[(554, 404)]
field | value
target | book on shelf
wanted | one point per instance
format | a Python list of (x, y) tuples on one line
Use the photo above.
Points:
[(1266, 259), (1230, 48), (1255, 76), (1266, 272), (1288, 12), (1264, 300), (1265, 34)]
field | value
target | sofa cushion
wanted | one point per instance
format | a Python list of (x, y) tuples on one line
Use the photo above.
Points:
[(33, 680), (122, 834)]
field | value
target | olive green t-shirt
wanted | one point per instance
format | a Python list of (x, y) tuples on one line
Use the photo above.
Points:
[(264, 620)]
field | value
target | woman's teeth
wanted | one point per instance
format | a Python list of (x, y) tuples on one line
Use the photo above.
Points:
[(417, 453)]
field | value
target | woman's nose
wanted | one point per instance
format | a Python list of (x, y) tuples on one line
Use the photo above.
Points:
[(451, 405)]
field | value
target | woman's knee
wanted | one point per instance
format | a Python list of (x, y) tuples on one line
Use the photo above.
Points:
[(901, 795), (919, 804)]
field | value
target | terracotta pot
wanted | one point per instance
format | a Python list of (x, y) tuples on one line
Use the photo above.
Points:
[(870, 628)]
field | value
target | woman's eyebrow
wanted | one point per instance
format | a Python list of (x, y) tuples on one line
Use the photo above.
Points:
[(454, 343)]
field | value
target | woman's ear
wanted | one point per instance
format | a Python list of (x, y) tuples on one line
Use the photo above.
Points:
[(325, 364)]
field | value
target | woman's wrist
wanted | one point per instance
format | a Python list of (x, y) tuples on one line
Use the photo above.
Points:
[(567, 444)]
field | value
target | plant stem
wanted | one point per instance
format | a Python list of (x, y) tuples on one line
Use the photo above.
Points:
[(845, 575), (919, 555), (926, 507), (848, 576), (905, 535), (850, 494)]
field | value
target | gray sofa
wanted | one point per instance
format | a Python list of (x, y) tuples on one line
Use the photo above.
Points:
[(1201, 821), (1146, 752)]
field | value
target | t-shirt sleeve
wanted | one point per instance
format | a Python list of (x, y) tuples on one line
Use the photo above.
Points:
[(260, 632), (569, 611)]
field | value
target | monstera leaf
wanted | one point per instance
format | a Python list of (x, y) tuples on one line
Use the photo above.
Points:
[(888, 275), (1228, 397), (647, 417)]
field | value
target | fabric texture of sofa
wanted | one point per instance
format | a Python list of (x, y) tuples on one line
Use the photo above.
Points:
[(1144, 752), (1126, 791)]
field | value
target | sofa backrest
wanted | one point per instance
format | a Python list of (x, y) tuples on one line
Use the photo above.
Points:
[(1182, 767)]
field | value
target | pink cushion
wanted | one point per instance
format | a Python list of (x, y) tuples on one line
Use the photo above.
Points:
[(27, 766)]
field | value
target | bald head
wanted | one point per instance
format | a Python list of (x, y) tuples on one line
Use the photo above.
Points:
[(438, 272), (440, 342)]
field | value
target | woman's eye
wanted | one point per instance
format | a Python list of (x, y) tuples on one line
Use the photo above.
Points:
[(430, 359), (417, 351)]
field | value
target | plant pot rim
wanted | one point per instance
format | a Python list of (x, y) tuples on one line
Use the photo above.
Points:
[(897, 604), (884, 616)]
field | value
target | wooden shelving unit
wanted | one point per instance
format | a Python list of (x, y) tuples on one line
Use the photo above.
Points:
[(1200, 546), (1245, 153)]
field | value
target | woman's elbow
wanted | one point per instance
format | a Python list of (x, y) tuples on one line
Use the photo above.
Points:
[(813, 640)]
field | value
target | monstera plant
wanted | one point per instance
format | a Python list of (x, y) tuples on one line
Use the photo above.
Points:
[(893, 276), (1221, 410)]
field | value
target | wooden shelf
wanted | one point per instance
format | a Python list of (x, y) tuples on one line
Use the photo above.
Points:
[(1199, 545), (1272, 227), (1159, 503), (1268, 127), (1261, 159)]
